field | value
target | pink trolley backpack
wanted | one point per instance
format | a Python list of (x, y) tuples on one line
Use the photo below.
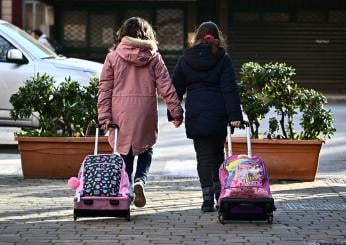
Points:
[(102, 186), (245, 192)]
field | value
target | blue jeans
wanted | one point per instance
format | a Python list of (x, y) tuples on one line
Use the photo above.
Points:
[(143, 165)]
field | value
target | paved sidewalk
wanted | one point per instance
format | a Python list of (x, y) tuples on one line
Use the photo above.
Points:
[(40, 212)]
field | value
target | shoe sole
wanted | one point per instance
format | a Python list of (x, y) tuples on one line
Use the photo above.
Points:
[(140, 200)]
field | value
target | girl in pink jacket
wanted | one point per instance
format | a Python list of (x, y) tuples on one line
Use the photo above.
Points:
[(132, 74)]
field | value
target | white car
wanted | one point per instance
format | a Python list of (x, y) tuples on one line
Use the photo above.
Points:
[(22, 57)]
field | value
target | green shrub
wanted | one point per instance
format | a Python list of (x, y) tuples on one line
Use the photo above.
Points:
[(271, 85), (64, 109)]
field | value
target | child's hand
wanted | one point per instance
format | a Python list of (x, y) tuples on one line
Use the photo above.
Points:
[(235, 124), (105, 125)]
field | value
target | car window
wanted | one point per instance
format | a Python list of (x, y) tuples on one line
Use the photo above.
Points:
[(28, 42), (4, 47)]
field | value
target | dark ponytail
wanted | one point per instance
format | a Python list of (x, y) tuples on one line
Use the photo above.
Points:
[(213, 43), (209, 34)]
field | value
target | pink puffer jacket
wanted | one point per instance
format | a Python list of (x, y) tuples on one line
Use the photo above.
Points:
[(130, 79)]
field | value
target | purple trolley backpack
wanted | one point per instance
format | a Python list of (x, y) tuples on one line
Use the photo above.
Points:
[(245, 192)]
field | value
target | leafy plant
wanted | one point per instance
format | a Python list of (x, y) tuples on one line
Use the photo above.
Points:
[(250, 87), (282, 93), (271, 85), (273, 127), (316, 120), (65, 109), (36, 96), (90, 102)]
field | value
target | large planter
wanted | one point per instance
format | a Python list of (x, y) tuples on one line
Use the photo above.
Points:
[(285, 159), (56, 157)]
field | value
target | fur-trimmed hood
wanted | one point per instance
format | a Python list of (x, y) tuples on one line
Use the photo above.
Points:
[(136, 51)]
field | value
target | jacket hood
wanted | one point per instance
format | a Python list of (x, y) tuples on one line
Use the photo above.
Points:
[(136, 51), (200, 57)]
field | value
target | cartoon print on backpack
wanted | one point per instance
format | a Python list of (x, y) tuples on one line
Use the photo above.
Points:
[(245, 178), (102, 176)]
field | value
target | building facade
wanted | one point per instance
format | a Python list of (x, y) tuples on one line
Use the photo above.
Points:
[(308, 35), (11, 11)]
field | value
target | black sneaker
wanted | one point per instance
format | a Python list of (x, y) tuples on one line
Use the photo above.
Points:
[(208, 206), (140, 199)]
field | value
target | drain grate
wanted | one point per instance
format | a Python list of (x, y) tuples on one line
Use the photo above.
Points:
[(316, 206), (337, 181), (325, 243)]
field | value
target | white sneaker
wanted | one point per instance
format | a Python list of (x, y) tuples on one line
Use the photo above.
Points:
[(140, 199)]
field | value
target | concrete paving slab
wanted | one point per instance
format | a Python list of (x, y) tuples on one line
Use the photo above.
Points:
[(41, 211)]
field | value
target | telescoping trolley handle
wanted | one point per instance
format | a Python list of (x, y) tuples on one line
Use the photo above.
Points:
[(248, 140), (111, 125)]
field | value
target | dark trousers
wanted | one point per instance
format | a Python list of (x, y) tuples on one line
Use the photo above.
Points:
[(210, 155), (143, 165)]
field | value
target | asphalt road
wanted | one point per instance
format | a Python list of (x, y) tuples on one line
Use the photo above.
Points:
[(174, 154)]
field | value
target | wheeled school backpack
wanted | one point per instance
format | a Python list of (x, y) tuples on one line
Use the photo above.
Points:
[(102, 186), (245, 191)]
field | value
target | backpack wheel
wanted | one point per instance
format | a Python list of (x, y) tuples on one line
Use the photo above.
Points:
[(128, 217), (270, 219), (74, 215), (221, 219)]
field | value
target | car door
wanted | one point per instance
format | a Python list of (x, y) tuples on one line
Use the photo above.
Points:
[(13, 75)]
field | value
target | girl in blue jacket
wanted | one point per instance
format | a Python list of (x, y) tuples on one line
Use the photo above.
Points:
[(205, 73)]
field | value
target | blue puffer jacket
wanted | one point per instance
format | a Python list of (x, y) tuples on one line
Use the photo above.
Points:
[(212, 98)]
